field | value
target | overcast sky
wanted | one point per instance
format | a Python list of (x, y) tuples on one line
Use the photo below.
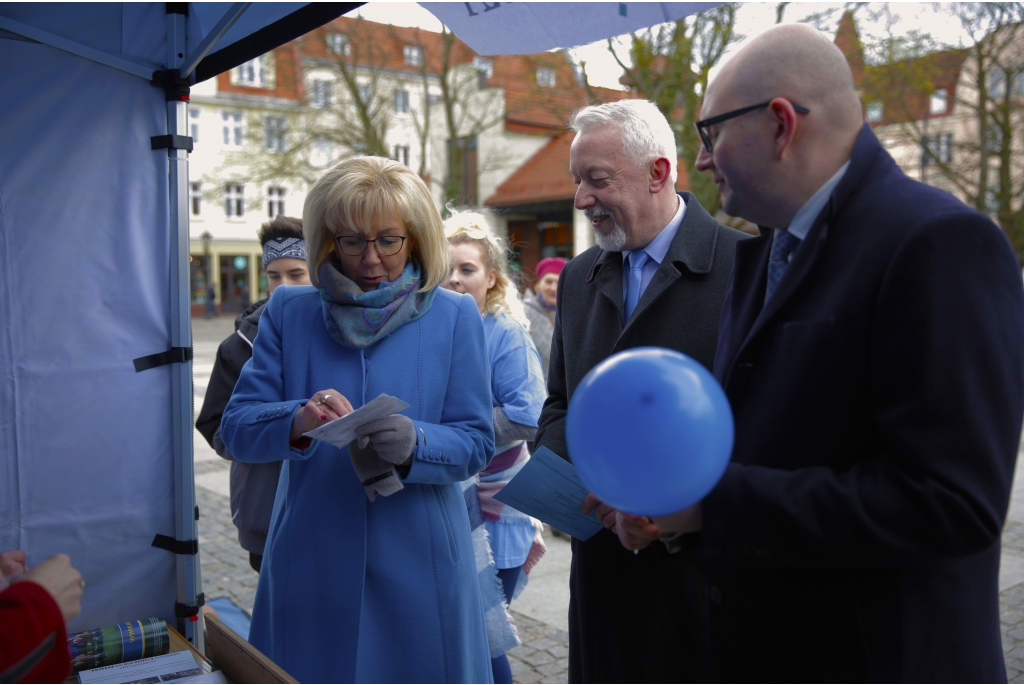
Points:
[(752, 19)]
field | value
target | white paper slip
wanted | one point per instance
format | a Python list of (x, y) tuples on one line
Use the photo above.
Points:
[(340, 432), (168, 668), (215, 677)]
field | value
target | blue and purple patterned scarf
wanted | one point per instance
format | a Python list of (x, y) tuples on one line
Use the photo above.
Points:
[(357, 319)]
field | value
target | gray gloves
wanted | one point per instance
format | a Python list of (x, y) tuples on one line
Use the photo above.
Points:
[(382, 445)]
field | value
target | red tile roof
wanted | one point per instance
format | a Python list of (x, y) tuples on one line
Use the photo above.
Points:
[(545, 177), (902, 88), (542, 178), (531, 107), (383, 45)]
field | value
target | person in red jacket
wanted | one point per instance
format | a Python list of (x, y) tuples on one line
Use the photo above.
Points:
[(34, 605)]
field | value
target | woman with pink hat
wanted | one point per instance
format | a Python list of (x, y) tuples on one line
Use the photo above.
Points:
[(540, 308)]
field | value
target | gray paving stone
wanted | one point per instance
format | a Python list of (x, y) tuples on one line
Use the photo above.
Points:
[(552, 669), (539, 658), (559, 651)]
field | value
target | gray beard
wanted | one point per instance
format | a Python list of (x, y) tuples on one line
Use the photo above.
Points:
[(612, 241)]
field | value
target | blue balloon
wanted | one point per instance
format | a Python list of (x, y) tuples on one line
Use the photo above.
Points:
[(650, 431)]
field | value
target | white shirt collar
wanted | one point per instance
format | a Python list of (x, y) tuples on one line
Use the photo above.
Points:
[(801, 224)]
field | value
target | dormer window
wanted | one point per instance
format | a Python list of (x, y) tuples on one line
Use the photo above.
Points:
[(256, 73), (546, 77), (874, 111), (938, 102), (484, 66), (337, 44), (413, 55)]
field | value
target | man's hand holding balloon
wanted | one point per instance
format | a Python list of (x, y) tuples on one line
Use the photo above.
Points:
[(650, 431)]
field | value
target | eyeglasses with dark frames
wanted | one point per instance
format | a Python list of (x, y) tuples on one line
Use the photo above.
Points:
[(386, 245), (703, 126)]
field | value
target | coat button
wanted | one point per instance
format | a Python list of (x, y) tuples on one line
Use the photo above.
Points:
[(715, 593)]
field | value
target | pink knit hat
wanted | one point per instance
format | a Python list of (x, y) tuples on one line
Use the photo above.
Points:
[(550, 265)]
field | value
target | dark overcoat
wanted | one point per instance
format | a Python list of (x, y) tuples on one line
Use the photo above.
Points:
[(636, 618), (878, 398)]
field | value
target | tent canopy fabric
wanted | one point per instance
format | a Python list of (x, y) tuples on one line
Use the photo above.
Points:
[(96, 458), (518, 28)]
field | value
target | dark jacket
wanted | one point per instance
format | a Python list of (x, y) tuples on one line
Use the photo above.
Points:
[(878, 399), (636, 618), (253, 486)]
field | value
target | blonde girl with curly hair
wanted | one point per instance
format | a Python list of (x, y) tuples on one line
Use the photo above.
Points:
[(479, 261)]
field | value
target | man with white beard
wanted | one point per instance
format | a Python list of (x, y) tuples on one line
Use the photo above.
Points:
[(657, 276)]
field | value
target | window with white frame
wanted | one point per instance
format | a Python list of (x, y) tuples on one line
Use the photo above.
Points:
[(274, 129), (401, 102), (996, 83), (1018, 81), (275, 201), (484, 66), (234, 131), (993, 139), (365, 93), (402, 154), (234, 199), (938, 147), (337, 44), (874, 111), (322, 92), (938, 102), (193, 120), (546, 77), (195, 196), (413, 55), (322, 152), (256, 73)]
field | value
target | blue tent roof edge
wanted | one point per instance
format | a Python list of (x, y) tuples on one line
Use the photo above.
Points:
[(289, 27)]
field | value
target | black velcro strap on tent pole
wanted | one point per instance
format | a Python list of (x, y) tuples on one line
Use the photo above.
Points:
[(171, 141), (175, 355), (186, 610), (176, 546)]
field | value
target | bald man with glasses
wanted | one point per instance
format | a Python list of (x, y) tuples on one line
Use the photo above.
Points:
[(872, 348)]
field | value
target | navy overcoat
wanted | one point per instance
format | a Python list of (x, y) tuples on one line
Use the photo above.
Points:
[(878, 398)]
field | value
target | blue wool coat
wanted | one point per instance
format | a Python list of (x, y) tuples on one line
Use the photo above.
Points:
[(353, 591)]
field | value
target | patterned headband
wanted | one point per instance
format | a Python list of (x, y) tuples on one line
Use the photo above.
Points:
[(276, 248)]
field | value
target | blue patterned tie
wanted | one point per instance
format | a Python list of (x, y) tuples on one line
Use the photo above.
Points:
[(782, 247), (637, 259)]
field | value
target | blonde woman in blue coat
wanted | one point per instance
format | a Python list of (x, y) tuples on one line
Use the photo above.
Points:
[(369, 573)]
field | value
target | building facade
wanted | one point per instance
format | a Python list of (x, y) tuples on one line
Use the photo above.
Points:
[(482, 132)]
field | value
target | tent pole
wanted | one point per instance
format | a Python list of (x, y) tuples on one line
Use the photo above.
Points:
[(211, 39), (188, 570)]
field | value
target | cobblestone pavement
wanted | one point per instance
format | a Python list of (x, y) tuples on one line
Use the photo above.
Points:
[(1011, 607)]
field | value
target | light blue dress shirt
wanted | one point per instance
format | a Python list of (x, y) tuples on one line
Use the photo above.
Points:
[(656, 251), (802, 221)]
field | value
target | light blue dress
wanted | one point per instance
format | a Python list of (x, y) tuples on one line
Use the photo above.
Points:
[(353, 591), (517, 386)]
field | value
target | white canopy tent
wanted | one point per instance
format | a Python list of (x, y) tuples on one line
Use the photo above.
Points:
[(95, 340)]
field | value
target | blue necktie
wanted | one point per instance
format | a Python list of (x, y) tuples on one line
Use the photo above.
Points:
[(637, 259), (782, 247)]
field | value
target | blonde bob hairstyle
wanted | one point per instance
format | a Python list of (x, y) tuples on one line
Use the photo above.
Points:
[(472, 228), (356, 191)]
